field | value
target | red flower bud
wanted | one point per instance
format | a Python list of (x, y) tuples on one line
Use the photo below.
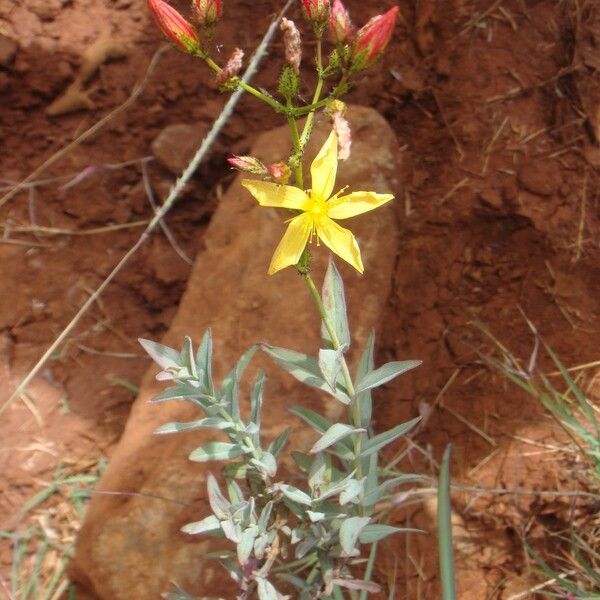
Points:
[(247, 164), (340, 26), (279, 172), (316, 11), (174, 26), (207, 12), (372, 39)]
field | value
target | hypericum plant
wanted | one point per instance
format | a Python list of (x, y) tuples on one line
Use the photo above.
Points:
[(311, 535)]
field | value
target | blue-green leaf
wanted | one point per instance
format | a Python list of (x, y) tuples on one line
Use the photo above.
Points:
[(305, 369), (320, 424), (246, 543), (378, 531), (216, 451), (379, 441), (353, 489), (208, 423), (334, 302), (204, 362), (266, 590), (186, 357), (349, 531), (365, 365), (278, 444), (230, 386), (294, 494), (218, 503), (385, 373), (210, 525), (256, 400), (165, 357), (375, 494), (330, 364), (334, 434)]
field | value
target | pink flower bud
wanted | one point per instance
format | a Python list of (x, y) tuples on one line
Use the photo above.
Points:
[(207, 12), (291, 43), (316, 11), (174, 26), (344, 135), (340, 26), (248, 164), (279, 172), (232, 67), (372, 39)]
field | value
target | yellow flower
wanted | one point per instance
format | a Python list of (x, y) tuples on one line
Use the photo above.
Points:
[(319, 209)]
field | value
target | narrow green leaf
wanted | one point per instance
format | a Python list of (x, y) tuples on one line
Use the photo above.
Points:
[(305, 369), (220, 506), (182, 391), (165, 357), (378, 531), (385, 373), (294, 494), (334, 302), (230, 386), (266, 464), (265, 515), (186, 357), (349, 532), (379, 441), (216, 451), (208, 423), (266, 590), (320, 424), (334, 434), (352, 491), (204, 362), (330, 365), (445, 529), (278, 444), (375, 494), (210, 525), (256, 400), (246, 544), (366, 365), (335, 488), (357, 584)]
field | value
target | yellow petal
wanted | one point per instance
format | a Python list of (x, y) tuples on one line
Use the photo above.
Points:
[(324, 168), (341, 241), (292, 243), (280, 196), (355, 203)]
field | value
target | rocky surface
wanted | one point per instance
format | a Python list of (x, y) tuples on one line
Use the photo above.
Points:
[(130, 545)]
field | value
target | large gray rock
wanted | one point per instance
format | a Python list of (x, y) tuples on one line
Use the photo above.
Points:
[(130, 546)]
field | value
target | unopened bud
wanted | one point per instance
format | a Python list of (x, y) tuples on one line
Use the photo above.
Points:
[(372, 39), (340, 26), (248, 164), (316, 10), (292, 44), (232, 67), (174, 26), (207, 12), (279, 172), (343, 132)]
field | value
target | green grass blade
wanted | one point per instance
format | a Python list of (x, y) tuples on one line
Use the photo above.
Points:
[(445, 529)]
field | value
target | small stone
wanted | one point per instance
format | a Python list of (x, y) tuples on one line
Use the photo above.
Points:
[(176, 144), (539, 177), (8, 50), (491, 199)]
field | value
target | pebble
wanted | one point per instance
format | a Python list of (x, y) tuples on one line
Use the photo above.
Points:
[(8, 50)]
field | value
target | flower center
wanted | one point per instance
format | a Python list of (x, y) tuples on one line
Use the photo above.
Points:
[(318, 210)]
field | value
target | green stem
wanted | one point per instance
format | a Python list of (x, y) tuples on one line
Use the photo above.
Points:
[(277, 106), (354, 404), (317, 95), (297, 148)]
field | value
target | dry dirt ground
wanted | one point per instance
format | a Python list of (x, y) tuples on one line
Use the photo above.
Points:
[(496, 105)]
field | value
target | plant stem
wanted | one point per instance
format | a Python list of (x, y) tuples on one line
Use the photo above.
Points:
[(311, 116), (354, 404), (277, 106), (298, 171)]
